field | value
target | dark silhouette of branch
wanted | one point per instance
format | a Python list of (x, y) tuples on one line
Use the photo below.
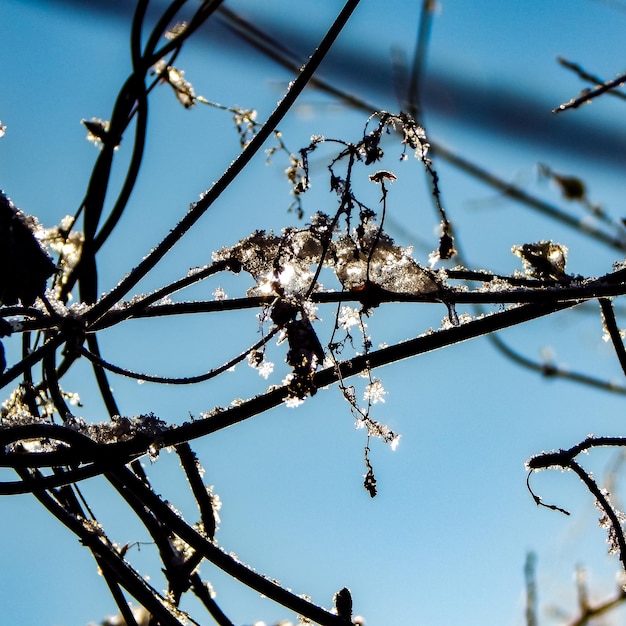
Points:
[(52, 450), (200, 207), (131, 487), (187, 380), (611, 325), (278, 52)]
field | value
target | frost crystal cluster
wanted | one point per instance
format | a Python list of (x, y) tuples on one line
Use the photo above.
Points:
[(286, 265)]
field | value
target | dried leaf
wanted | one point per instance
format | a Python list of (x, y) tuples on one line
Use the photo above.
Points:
[(24, 265)]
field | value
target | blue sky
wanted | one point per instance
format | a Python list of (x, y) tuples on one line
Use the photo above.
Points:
[(444, 542)]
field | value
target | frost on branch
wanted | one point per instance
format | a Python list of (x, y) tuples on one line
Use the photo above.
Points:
[(183, 89), (543, 259), (613, 533), (287, 264)]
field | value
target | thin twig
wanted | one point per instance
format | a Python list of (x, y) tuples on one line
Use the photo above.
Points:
[(129, 485), (182, 380), (610, 324), (266, 44), (199, 208), (587, 76), (590, 94)]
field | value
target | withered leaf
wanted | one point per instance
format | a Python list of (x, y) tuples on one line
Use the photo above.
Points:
[(24, 264)]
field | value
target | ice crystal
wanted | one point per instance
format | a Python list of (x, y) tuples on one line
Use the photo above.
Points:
[(3, 129), (370, 255), (348, 317), (141, 615), (293, 401), (215, 502), (219, 294), (613, 534), (375, 392), (65, 242), (175, 78), (176, 30), (265, 369), (607, 337), (395, 442), (378, 430), (247, 126), (184, 550), (256, 359), (94, 527)]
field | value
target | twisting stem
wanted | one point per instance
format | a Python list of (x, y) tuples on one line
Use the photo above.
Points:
[(184, 380), (585, 75), (198, 209)]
